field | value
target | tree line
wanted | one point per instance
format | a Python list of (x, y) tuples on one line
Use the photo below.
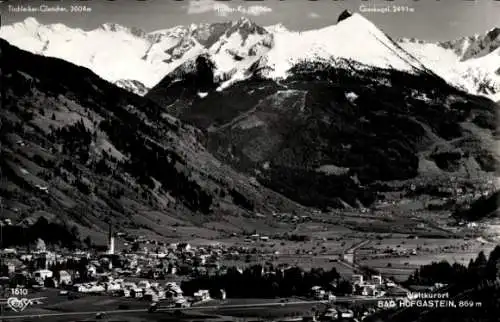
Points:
[(477, 282), (479, 269), (274, 282), (52, 233)]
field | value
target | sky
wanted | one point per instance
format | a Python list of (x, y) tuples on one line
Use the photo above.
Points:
[(431, 20)]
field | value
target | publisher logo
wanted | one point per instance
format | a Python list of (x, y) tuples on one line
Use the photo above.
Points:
[(18, 304)]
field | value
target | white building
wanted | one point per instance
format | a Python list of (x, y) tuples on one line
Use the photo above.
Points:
[(111, 241), (97, 289), (65, 278), (332, 314), (144, 285), (91, 270), (201, 295), (368, 290), (317, 292), (329, 297), (173, 286), (113, 286), (377, 279), (11, 267), (42, 274), (136, 293), (390, 284), (347, 314), (80, 288), (357, 279), (181, 303)]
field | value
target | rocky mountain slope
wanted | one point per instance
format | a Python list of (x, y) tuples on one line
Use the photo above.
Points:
[(338, 132), (132, 86), (476, 46), (77, 149), (472, 63)]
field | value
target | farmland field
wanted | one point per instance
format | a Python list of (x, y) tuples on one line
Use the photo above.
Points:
[(398, 257)]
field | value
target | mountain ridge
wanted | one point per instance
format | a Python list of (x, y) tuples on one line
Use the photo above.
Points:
[(468, 62), (159, 53)]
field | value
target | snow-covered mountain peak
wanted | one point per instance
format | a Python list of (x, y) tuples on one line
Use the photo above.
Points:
[(235, 47), (354, 37), (356, 23), (484, 45), (469, 62), (30, 22), (344, 15), (245, 27), (475, 46), (245, 23), (171, 34), (28, 26)]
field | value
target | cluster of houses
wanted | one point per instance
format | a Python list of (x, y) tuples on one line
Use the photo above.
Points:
[(144, 289), (256, 237), (373, 286), (5, 222), (104, 283), (116, 274), (333, 314), (159, 263), (148, 274), (318, 293), (339, 313), (398, 252), (292, 218)]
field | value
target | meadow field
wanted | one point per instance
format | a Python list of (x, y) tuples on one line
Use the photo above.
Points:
[(398, 257)]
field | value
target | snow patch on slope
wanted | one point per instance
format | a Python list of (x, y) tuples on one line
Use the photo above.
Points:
[(133, 86)]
